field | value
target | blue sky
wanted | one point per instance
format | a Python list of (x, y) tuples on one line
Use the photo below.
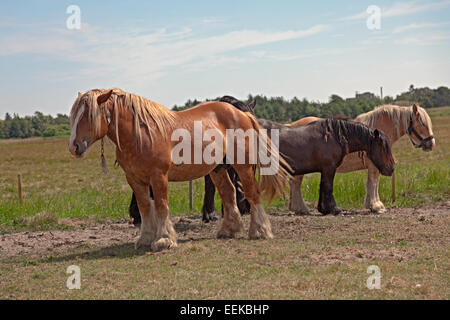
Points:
[(170, 51)]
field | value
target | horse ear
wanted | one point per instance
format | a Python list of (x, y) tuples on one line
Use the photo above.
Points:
[(252, 105), (415, 109), (104, 97), (79, 94)]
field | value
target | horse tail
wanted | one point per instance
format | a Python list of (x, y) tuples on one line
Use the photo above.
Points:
[(273, 184)]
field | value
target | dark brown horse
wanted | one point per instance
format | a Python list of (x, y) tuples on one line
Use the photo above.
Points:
[(321, 147)]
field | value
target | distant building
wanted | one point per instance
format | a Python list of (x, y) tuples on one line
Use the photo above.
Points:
[(365, 95)]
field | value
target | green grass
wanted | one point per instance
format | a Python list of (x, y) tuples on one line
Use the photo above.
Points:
[(56, 183)]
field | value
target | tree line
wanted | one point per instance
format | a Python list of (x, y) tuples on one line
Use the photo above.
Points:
[(37, 125), (274, 108), (282, 110)]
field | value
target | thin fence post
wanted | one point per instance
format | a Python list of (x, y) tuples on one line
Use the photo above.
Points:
[(393, 187), (191, 196), (19, 186)]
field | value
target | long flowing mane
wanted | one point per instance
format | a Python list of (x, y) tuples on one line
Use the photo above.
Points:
[(236, 103), (144, 112), (399, 115), (343, 131)]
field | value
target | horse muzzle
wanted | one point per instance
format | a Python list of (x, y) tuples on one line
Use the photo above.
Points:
[(387, 171), (78, 149), (428, 146)]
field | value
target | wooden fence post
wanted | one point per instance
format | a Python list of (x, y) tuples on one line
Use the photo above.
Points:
[(19, 185), (393, 187), (191, 196)]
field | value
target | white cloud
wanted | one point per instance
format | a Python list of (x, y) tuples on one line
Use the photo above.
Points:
[(401, 9), (425, 39), (417, 26), (137, 57)]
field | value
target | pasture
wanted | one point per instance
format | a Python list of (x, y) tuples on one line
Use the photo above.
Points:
[(73, 214)]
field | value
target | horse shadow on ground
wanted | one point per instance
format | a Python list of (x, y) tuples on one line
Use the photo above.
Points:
[(126, 250)]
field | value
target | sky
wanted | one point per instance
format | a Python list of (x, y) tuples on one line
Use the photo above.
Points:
[(171, 51)]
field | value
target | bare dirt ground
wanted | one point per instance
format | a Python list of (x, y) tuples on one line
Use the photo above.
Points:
[(418, 223)]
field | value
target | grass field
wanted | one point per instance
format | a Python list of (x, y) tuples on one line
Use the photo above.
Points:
[(311, 257)]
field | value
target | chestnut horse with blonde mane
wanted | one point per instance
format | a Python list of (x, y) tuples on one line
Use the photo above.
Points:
[(393, 120), (143, 130)]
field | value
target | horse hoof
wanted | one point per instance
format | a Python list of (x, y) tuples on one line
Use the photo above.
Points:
[(267, 234), (163, 244), (225, 234), (337, 211), (212, 216), (377, 208), (144, 240), (302, 213)]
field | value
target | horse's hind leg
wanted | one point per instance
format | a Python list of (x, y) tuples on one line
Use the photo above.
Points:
[(259, 224), (165, 237), (372, 199), (209, 212), (232, 223), (327, 204), (134, 209), (242, 203), (296, 202)]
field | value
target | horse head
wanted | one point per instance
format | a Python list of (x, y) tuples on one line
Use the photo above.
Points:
[(420, 129), (89, 121), (380, 153)]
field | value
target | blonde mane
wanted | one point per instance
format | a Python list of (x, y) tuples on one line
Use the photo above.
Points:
[(144, 112), (400, 117)]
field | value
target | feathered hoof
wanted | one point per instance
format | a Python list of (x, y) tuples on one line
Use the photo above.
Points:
[(302, 213), (378, 209), (212, 216), (145, 240), (226, 234), (326, 211), (163, 244), (260, 234)]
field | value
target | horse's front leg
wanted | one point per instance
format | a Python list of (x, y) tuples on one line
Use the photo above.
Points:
[(372, 198), (327, 204), (209, 212), (165, 237), (146, 209), (296, 202)]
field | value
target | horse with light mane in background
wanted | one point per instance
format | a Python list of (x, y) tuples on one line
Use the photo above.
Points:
[(143, 133), (395, 121)]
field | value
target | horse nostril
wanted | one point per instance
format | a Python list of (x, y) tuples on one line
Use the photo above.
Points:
[(78, 148)]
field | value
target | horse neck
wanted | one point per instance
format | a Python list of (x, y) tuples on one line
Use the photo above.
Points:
[(394, 123), (122, 135), (359, 139), (356, 143)]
